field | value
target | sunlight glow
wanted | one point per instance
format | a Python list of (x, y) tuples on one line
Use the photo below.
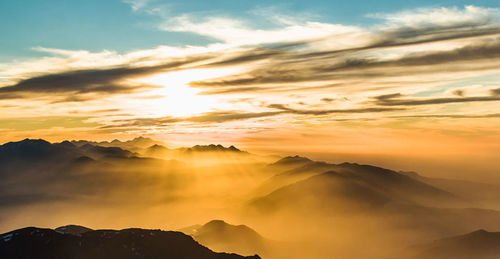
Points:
[(179, 99)]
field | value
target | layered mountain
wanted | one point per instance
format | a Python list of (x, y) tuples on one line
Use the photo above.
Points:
[(157, 151), (135, 145), (485, 195), (212, 148), (310, 182), (479, 244), (364, 194), (34, 170), (297, 200), (106, 244), (221, 236), (197, 151)]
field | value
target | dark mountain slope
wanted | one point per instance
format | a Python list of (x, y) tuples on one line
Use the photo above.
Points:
[(134, 145), (479, 244), (73, 230), (33, 171), (213, 148), (290, 162), (388, 183), (221, 236), (481, 194), (329, 191), (106, 244)]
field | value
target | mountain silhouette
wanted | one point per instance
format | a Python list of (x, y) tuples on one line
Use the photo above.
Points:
[(221, 236), (484, 195), (35, 150), (291, 162), (73, 230), (212, 148), (42, 243), (100, 151), (134, 145), (479, 244), (310, 182)]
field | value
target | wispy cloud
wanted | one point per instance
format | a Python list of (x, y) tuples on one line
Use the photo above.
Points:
[(236, 32), (294, 70), (396, 100), (137, 5), (101, 81), (442, 16)]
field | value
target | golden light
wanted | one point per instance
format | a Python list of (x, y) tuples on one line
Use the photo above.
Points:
[(178, 98)]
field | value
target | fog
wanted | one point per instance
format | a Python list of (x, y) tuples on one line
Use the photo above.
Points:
[(293, 207)]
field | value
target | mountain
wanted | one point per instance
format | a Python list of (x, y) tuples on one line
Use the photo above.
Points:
[(106, 244), (309, 182), (479, 244), (35, 150), (211, 148), (35, 157), (289, 170), (110, 152), (135, 145), (29, 151), (35, 171), (329, 191), (157, 147), (221, 236), (73, 230), (484, 195), (290, 162)]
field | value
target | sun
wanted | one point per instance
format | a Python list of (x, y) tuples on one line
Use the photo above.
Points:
[(176, 98)]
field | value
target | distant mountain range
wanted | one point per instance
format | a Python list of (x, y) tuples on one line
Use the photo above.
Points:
[(350, 184), (135, 144), (287, 194), (479, 244), (106, 244)]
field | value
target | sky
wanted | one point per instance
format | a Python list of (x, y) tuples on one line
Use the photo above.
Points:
[(419, 78)]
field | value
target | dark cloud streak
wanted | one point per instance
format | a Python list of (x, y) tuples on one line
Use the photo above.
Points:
[(394, 100), (79, 82)]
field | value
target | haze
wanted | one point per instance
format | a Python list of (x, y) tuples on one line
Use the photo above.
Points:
[(159, 114)]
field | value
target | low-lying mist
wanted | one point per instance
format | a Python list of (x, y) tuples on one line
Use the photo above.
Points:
[(290, 207)]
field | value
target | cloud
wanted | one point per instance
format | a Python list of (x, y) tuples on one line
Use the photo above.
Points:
[(290, 67), (451, 116), (137, 5), (237, 32), (442, 16), (396, 100), (46, 122), (495, 92), (209, 117), (227, 116), (459, 92), (102, 81), (287, 109), (329, 69)]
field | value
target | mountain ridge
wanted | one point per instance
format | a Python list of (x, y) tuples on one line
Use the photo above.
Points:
[(109, 244)]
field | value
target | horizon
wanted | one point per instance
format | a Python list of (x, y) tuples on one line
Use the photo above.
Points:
[(395, 105), (404, 80)]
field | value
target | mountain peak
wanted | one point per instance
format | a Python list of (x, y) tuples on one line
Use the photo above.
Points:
[(126, 243), (28, 141), (73, 229), (26, 147), (212, 148), (223, 228), (157, 147), (289, 160), (216, 222)]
